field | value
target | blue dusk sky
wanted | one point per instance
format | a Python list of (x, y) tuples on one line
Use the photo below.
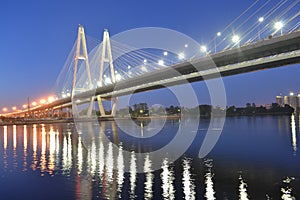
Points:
[(37, 36)]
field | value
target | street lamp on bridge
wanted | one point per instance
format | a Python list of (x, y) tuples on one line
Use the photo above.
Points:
[(260, 20), (236, 40), (278, 26)]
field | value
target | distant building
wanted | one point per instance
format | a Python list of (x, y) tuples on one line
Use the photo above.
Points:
[(292, 100), (279, 100)]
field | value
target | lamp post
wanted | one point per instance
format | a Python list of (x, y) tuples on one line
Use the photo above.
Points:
[(278, 26), (203, 49), (218, 35), (236, 40), (260, 20)]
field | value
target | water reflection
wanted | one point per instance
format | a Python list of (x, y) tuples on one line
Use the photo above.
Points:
[(287, 190), (43, 160), (209, 189), (188, 183), (243, 195), (293, 130), (132, 175), (98, 171), (149, 178), (5, 147), (25, 148), (34, 149), (167, 177)]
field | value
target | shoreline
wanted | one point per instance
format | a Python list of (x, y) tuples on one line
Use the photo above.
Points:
[(99, 119)]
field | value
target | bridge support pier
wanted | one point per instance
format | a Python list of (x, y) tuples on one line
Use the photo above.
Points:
[(106, 57)]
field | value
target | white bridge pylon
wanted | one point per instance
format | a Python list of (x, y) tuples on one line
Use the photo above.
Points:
[(105, 57)]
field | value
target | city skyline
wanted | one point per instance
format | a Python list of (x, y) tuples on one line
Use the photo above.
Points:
[(36, 46)]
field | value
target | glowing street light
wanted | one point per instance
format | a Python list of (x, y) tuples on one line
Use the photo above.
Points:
[(260, 20), (128, 67), (236, 39), (165, 53), (107, 80), (203, 49), (161, 63), (51, 99), (4, 109), (24, 106), (218, 35), (278, 26), (42, 101), (181, 56), (145, 61), (118, 77), (14, 108), (34, 103), (186, 46)]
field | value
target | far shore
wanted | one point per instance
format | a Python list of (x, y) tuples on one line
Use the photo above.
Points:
[(146, 118)]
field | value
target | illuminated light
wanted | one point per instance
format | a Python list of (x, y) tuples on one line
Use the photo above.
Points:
[(129, 67), (165, 53), (116, 71), (42, 101), (143, 68), (81, 58), (181, 56), (5, 137), (203, 49), (219, 34), (243, 189), (15, 137), (118, 77), (64, 95), (291, 93), (109, 163), (51, 99), (14, 108), (51, 163), (186, 45), (24, 106), (133, 174), (294, 135), (261, 19), (188, 184), (149, 178), (161, 62), (235, 39), (278, 25), (167, 177), (68, 94), (34, 103), (4, 109), (107, 80), (141, 111), (79, 155), (145, 61)]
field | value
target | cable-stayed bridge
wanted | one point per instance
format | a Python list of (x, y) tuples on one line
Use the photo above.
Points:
[(97, 71)]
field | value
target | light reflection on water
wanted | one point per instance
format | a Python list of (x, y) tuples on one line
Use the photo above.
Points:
[(209, 189), (95, 170)]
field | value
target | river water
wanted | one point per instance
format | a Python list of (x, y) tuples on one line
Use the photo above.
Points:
[(254, 158)]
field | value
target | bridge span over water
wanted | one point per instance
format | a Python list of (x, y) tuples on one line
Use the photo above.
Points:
[(269, 53)]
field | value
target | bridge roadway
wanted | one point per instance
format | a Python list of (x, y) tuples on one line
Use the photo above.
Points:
[(268, 53)]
